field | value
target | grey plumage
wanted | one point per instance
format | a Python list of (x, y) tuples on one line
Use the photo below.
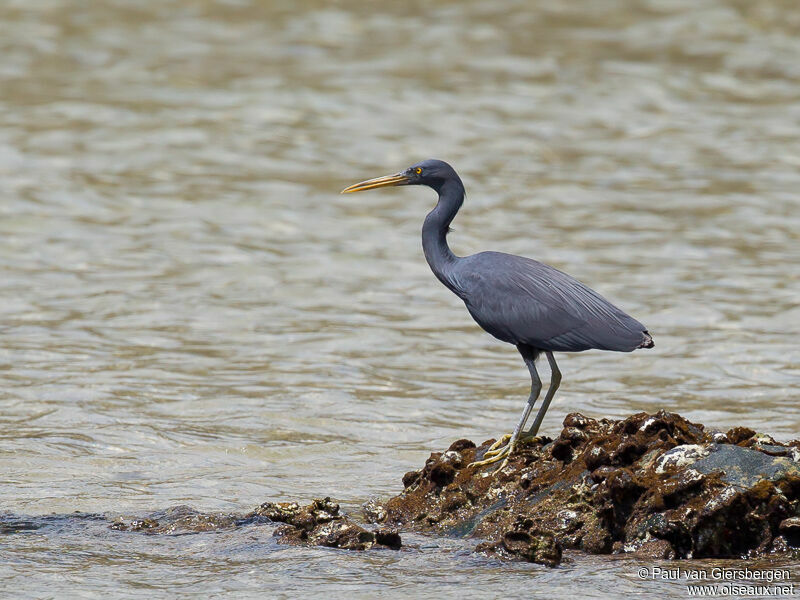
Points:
[(522, 301), (518, 300)]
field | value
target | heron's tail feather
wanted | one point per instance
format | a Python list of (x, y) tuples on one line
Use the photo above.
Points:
[(648, 341)]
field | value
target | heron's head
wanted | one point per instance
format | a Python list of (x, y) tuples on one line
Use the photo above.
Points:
[(433, 173)]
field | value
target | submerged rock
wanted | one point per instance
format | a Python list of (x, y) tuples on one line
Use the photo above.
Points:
[(654, 485), (178, 520), (318, 524)]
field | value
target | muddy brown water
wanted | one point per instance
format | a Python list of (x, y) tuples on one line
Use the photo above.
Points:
[(191, 314)]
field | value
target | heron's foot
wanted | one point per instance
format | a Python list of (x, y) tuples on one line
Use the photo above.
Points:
[(501, 454), (500, 450)]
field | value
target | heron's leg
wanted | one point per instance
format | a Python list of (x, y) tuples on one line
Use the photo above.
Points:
[(498, 450), (555, 381), (508, 441)]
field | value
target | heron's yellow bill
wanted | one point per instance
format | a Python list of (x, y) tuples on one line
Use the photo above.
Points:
[(371, 184)]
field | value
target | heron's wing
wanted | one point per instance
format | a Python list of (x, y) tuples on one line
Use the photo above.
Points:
[(520, 300)]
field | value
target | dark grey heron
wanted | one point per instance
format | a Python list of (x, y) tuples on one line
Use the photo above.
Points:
[(518, 300)]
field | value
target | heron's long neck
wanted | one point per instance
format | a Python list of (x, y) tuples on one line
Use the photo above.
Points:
[(434, 231)]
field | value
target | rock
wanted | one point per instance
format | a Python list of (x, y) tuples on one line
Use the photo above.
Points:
[(790, 528), (658, 549), (655, 485), (321, 524), (532, 546), (178, 520), (680, 457), (318, 524), (374, 511), (738, 435)]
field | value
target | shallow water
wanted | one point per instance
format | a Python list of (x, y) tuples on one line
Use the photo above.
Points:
[(191, 314)]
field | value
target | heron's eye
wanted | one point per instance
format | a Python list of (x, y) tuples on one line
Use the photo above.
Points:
[(417, 170)]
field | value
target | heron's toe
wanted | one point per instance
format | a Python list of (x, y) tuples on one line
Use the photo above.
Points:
[(488, 461), (498, 446), (497, 455)]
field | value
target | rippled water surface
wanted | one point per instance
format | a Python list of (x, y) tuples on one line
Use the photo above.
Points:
[(191, 314)]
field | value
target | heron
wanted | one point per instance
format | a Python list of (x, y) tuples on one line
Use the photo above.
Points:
[(518, 300)]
